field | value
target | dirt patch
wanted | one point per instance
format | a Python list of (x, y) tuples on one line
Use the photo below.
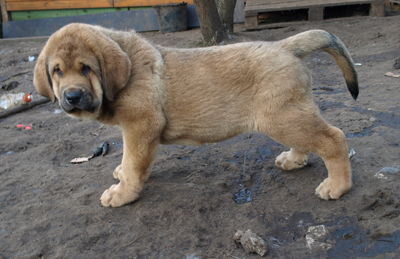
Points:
[(197, 197)]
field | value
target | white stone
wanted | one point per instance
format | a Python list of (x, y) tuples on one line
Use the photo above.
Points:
[(318, 237)]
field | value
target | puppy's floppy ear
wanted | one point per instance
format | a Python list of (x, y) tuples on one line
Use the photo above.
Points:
[(116, 67), (41, 78)]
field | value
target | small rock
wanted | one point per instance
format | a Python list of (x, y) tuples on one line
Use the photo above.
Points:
[(352, 152), (251, 242), (318, 237), (397, 64), (380, 175), (387, 173)]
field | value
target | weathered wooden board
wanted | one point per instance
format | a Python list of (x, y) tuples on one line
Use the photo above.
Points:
[(41, 14), (19, 5), (25, 5), (254, 7), (131, 3), (140, 20), (315, 10)]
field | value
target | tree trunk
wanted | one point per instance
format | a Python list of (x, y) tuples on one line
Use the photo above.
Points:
[(210, 23), (226, 10)]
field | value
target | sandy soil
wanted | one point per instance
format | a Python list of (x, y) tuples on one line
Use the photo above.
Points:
[(198, 196)]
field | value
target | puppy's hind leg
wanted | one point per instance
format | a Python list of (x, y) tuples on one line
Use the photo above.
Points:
[(304, 130), (334, 152)]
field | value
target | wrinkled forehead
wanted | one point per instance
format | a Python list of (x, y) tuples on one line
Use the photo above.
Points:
[(69, 52)]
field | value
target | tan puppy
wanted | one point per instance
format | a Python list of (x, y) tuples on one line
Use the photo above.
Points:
[(193, 96)]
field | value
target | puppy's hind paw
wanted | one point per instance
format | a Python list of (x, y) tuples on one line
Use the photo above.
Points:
[(330, 189)]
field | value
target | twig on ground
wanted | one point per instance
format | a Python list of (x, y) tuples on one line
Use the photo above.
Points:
[(23, 107), (131, 243), (166, 152), (5, 78)]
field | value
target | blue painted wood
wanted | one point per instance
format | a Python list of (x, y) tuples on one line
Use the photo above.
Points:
[(139, 20)]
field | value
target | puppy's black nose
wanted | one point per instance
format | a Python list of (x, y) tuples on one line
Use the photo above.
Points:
[(73, 97)]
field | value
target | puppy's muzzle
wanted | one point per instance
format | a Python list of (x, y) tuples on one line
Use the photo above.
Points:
[(79, 99)]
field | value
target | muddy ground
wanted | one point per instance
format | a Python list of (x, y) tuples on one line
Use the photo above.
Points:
[(198, 196)]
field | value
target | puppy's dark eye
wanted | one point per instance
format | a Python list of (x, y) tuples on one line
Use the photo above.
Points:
[(58, 71), (85, 69)]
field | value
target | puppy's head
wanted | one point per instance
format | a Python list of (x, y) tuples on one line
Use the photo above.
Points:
[(80, 66)]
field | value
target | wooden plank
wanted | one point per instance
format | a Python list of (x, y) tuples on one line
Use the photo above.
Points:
[(41, 14), (303, 2), (251, 22), (132, 3), (316, 10), (18, 5), (270, 2), (140, 20), (4, 13), (253, 7)]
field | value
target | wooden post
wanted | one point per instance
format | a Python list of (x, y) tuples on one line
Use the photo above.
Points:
[(377, 8), (251, 22), (4, 14), (315, 14)]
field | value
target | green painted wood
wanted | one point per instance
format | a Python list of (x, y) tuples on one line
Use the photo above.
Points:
[(40, 14)]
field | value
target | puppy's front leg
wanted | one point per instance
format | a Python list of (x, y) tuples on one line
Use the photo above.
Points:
[(140, 147)]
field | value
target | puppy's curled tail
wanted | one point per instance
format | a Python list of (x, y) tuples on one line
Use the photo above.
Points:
[(307, 42)]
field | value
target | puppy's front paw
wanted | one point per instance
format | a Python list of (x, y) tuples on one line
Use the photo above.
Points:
[(330, 189), (118, 172), (290, 160), (117, 196)]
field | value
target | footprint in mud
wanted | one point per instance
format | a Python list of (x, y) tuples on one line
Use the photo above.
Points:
[(382, 204)]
